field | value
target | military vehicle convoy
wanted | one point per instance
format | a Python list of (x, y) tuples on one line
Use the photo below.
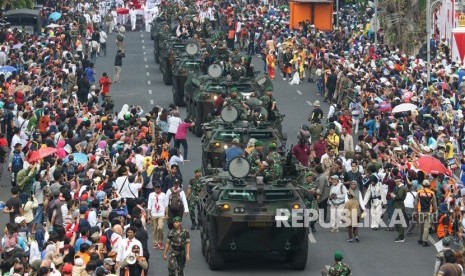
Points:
[(189, 64), (160, 33), (239, 215), (202, 91), (219, 133), (171, 52)]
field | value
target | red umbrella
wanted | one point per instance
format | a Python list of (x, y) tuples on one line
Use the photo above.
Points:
[(41, 153), (443, 85), (122, 11), (430, 165)]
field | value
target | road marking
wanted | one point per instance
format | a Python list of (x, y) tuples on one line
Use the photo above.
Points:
[(151, 102), (143, 47), (298, 92), (145, 53), (143, 41), (145, 59), (148, 74), (309, 103), (311, 238), (150, 92), (146, 66), (149, 82)]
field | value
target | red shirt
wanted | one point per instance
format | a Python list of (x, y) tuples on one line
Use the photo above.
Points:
[(302, 153), (320, 148), (105, 83), (182, 131), (3, 142)]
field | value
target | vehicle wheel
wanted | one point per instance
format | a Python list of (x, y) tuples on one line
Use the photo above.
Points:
[(178, 101), (299, 258), (169, 78), (215, 259), (198, 121), (203, 240)]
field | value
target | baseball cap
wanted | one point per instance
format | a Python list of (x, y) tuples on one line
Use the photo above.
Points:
[(108, 261)]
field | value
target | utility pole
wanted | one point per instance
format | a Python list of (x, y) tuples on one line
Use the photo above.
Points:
[(375, 28), (428, 40)]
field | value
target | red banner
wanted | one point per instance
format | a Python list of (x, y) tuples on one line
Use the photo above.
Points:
[(460, 43)]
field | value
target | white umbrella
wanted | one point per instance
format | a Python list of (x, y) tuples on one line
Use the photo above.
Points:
[(53, 25), (404, 107)]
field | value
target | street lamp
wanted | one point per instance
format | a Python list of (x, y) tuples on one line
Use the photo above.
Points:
[(429, 5)]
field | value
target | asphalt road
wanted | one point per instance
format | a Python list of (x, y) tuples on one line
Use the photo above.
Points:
[(376, 254)]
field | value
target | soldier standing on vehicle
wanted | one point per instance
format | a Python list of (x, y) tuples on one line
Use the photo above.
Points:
[(238, 71), (233, 100), (339, 268), (274, 170), (178, 245), (193, 191), (255, 159)]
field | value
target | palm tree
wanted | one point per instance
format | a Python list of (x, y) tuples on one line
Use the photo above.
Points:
[(404, 23)]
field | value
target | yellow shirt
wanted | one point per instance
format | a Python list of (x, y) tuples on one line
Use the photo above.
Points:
[(333, 140)]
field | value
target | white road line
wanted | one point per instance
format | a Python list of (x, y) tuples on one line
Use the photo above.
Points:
[(143, 41), (149, 82), (151, 102), (309, 103), (145, 53), (298, 92), (146, 66), (145, 59), (311, 238), (143, 46), (150, 92), (148, 74)]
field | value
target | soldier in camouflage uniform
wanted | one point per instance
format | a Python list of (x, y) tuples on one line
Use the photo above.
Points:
[(269, 102), (195, 186), (178, 245), (311, 195), (339, 268), (255, 159), (234, 100), (274, 170)]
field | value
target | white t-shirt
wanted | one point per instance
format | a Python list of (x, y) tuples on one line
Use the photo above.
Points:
[(174, 122)]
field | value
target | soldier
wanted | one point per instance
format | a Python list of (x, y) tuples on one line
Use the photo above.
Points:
[(234, 100), (238, 71), (256, 117), (269, 102), (255, 159), (275, 165), (339, 268), (180, 243), (193, 191), (312, 194)]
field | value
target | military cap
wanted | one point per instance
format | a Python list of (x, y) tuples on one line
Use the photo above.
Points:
[(177, 218), (258, 144), (197, 170), (308, 174), (269, 88), (234, 89), (272, 145), (338, 256)]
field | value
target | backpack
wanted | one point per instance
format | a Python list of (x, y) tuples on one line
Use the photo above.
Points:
[(17, 162), (175, 202), (120, 37)]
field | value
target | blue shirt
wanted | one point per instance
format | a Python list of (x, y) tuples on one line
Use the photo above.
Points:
[(231, 153), (80, 241), (90, 74)]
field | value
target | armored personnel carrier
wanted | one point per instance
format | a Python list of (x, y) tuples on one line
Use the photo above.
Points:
[(173, 50), (189, 64), (201, 92), (240, 213), (160, 33), (219, 133)]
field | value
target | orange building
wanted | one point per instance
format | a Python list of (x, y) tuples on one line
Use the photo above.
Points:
[(318, 12)]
